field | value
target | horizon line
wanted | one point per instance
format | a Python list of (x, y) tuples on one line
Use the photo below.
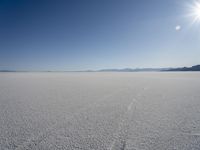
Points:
[(100, 70)]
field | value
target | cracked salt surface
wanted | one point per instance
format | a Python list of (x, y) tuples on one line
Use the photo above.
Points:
[(97, 111)]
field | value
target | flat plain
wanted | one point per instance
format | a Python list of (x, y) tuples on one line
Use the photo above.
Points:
[(100, 111)]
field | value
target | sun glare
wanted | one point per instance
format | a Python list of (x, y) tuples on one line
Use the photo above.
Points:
[(195, 11)]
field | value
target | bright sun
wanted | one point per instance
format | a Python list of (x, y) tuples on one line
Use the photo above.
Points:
[(195, 11)]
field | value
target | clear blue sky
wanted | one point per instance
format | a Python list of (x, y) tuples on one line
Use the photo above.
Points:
[(96, 34)]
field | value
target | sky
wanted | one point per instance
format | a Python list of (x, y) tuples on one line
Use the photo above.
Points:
[(57, 35)]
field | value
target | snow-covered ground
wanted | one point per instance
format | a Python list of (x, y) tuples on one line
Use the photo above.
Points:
[(97, 111)]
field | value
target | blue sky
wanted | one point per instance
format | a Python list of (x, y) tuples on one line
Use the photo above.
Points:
[(96, 34)]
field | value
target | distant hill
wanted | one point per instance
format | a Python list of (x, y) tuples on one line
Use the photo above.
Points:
[(132, 70), (8, 71), (193, 68)]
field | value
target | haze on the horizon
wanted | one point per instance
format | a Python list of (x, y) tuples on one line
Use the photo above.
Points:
[(97, 34)]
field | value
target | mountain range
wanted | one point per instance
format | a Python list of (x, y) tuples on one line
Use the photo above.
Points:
[(193, 68)]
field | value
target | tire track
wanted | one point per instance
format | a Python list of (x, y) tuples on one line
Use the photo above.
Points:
[(121, 135)]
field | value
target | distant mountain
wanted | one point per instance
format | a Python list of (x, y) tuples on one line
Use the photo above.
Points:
[(132, 70), (193, 68), (8, 71)]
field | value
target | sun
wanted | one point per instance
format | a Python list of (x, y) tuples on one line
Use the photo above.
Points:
[(195, 11)]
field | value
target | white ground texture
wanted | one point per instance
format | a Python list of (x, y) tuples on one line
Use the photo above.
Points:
[(100, 111)]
